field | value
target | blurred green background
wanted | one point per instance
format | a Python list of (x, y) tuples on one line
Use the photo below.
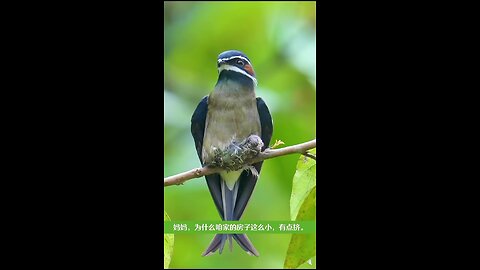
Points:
[(279, 38)]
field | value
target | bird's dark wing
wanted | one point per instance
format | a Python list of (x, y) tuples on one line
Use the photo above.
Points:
[(247, 180), (266, 122), (197, 128)]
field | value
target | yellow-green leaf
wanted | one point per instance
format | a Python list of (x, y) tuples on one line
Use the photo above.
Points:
[(167, 244), (304, 181), (303, 246), (309, 264)]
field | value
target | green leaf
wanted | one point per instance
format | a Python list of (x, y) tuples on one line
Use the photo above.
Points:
[(302, 207), (310, 264), (304, 181), (303, 246), (167, 244)]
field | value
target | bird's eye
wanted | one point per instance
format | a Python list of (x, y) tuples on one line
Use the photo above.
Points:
[(240, 62)]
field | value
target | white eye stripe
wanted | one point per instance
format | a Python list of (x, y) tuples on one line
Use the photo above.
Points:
[(233, 57), (236, 69)]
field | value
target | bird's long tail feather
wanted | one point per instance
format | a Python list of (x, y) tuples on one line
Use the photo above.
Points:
[(245, 243), (219, 240), (228, 199)]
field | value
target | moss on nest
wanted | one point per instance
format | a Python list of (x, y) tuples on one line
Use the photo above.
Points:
[(233, 157)]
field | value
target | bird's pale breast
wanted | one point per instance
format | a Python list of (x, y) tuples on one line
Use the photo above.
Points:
[(232, 115)]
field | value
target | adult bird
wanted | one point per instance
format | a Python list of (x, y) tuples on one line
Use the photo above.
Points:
[(231, 113)]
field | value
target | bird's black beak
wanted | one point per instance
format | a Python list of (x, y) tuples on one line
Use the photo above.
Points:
[(220, 63)]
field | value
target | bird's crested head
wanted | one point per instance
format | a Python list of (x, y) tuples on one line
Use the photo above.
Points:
[(236, 61)]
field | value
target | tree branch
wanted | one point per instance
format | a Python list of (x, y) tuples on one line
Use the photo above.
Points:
[(312, 156), (302, 148)]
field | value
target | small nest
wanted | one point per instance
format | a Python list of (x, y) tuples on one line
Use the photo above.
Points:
[(233, 157)]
